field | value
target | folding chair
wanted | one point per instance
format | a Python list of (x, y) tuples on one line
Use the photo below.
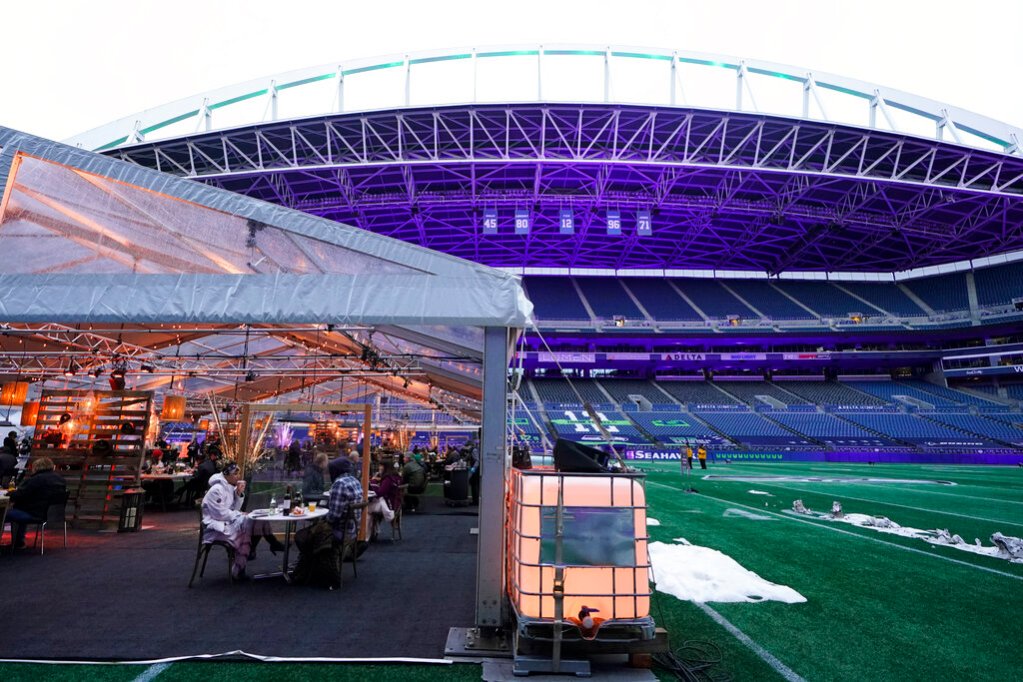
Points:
[(55, 514)]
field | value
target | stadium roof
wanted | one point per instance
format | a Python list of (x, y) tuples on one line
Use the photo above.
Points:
[(792, 171)]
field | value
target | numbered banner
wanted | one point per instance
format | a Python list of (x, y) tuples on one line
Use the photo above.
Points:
[(644, 228), (490, 221), (521, 221), (566, 221), (614, 222)]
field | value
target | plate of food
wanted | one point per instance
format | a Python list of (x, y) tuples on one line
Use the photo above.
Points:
[(298, 511)]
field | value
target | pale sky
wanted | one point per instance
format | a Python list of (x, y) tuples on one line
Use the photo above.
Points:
[(72, 66)]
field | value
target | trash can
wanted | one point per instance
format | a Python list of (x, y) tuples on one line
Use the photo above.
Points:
[(131, 511), (456, 488)]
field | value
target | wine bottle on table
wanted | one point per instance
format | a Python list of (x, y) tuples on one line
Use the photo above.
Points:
[(289, 500)]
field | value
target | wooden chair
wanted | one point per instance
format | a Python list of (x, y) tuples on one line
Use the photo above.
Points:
[(202, 552), (347, 549)]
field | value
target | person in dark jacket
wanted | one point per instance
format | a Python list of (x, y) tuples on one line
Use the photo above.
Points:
[(11, 443), (8, 464), (32, 498), (313, 483)]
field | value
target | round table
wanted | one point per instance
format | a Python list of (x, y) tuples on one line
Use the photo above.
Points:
[(290, 522)]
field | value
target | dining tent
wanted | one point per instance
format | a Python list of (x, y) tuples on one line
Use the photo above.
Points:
[(91, 244)]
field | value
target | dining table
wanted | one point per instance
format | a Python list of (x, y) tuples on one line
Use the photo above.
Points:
[(290, 522), (163, 485)]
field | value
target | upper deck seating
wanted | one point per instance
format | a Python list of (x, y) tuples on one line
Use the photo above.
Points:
[(823, 298), (555, 298), (607, 298), (1000, 284), (768, 300), (885, 295), (943, 293), (661, 300), (713, 299)]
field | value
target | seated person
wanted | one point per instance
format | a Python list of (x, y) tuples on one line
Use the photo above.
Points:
[(8, 465), (388, 497), (313, 483), (221, 512), (32, 498), (344, 492), (413, 474)]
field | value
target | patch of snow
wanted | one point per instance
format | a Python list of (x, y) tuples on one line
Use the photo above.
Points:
[(701, 574), (652, 522), (682, 541), (759, 492)]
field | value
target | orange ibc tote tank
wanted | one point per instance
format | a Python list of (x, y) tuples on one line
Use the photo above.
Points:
[(603, 545)]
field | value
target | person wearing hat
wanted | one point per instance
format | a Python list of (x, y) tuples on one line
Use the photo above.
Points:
[(224, 520)]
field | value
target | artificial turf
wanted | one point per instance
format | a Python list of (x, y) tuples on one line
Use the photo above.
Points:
[(878, 607)]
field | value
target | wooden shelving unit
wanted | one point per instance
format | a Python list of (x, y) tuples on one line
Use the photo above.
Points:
[(96, 476)]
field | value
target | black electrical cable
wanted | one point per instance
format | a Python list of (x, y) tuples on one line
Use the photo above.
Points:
[(695, 660)]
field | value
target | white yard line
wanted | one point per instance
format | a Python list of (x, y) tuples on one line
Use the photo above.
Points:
[(151, 672), (827, 526), (760, 651), (964, 497), (837, 493)]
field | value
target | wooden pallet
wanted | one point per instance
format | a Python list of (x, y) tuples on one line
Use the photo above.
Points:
[(96, 478)]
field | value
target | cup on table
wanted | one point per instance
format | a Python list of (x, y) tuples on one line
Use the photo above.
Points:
[(312, 505)]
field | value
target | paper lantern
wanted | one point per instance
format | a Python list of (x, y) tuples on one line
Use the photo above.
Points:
[(204, 424), (13, 392), (29, 413), (173, 408)]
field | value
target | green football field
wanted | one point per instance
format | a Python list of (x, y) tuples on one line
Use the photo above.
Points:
[(879, 606)]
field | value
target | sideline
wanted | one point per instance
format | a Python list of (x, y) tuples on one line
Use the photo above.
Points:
[(826, 526), (760, 651), (151, 672)]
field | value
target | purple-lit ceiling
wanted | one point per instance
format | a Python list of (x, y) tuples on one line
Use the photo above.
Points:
[(725, 190)]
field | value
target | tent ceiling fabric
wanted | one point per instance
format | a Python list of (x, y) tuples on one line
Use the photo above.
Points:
[(90, 240)]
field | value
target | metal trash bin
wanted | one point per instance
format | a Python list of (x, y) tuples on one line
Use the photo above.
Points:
[(132, 502)]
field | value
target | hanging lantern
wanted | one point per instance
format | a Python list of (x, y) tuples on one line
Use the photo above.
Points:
[(204, 424), (29, 413), (13, 392), (173, 408)]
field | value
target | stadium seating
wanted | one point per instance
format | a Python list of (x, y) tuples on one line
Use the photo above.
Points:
[(823, 298), (697, 393), (951, 395), (555, 298), (574, 424), (621, 389), (829, 429), (712, 298), (886, 296), (750, 428), (676, 428), (887, 390), (554, 392), (1000, 284), (994, 429), (768, 300), (832, 393), (607, 298), (661, 300), (913, 429), (944, 293), (747, 391)]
